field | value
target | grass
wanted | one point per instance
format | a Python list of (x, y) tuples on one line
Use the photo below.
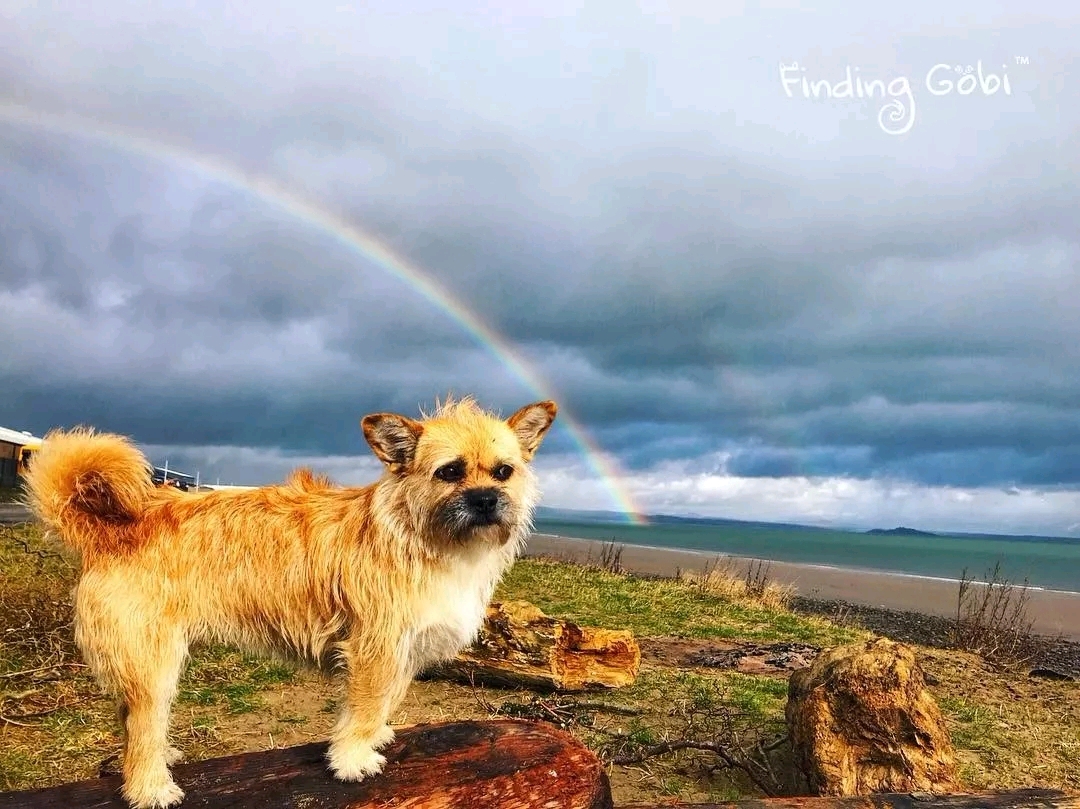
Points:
[(1010, 731), (593, 596), (54, 721), (722, 579), (225, 677)]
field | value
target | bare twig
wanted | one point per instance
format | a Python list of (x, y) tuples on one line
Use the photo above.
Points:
[(727, 758), (7, 720), (38, 552), (992, 619), (609, 558), (737, 740), (42, 668), (38, 714), (603, 707)]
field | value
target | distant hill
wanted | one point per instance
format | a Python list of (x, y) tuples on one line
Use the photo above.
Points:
[(615, 518), (579, 516), (901, 532)]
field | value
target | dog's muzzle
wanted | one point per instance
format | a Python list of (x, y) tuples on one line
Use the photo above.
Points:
[(473, 508), (484, 506)]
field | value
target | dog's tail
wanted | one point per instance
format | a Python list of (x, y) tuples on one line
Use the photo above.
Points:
[(89, 488)]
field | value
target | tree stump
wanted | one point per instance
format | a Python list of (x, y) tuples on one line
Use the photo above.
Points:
[(471, 765), (521, 647), (862, 721)]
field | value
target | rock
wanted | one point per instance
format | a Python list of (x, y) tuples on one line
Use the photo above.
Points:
[(520, 646), (758, 659), (1047, 673), (862, 721)]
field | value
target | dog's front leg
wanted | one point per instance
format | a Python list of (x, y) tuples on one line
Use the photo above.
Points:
[(378, 679)]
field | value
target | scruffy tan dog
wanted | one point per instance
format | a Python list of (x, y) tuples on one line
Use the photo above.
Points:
[(382, 580)]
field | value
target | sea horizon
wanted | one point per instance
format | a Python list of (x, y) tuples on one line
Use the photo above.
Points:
[(1045, 563)]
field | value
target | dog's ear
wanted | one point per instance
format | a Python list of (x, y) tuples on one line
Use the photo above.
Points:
[(530, 424), (392, 437)]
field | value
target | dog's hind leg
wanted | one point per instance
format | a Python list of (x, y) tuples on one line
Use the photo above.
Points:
[(172, 756), (377, 683), (149, 685), (137, 654)]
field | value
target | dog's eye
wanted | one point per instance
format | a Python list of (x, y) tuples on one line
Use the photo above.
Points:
[(451, 472), (502, 472)]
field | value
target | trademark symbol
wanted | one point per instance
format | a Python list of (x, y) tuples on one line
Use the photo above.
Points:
[(1021, 60)]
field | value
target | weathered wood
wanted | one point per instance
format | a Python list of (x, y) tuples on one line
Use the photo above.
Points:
[(478, 765), (1016, 799), (862, 721), (521, 647)]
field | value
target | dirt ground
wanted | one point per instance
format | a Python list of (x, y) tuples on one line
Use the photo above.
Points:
[(1003, 725)]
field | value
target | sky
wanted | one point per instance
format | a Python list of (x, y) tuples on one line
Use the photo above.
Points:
[(754, 298)]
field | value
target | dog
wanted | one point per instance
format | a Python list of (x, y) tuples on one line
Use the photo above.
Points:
[(380, 581)]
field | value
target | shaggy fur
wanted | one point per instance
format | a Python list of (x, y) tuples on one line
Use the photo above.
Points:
[(381, 580)]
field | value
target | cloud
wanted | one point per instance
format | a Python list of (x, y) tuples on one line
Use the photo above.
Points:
[(680, 487), (833, 501), (701, 267)]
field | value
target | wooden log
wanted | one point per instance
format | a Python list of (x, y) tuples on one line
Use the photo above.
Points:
[(1014, 799), (472, 765), (862, 721), (521, 647)]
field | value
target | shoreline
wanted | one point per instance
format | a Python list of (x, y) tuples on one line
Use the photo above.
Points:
[(1054, 613), (712, 555)]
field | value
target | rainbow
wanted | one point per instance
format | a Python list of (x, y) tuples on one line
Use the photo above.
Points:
[(353, 239)]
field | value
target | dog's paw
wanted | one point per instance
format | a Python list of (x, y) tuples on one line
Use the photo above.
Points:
[(174, 756), (355, 762), (153, 796), (382, 737)]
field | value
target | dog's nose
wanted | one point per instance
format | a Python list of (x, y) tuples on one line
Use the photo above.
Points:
[(483, 501)]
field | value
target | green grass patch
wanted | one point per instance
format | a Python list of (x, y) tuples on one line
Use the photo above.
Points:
[(657, 606), (221, 675), (972, 728)]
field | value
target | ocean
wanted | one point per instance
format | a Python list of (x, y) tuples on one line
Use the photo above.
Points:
[(1046, 563)]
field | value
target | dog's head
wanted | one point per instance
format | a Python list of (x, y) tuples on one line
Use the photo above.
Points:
[(462, 474)]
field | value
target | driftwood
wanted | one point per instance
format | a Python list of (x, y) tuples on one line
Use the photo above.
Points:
[(521, 647), (478, 765), (1016, 799), (862, 721)]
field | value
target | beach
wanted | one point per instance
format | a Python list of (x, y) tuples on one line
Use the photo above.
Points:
[(1053, 612)]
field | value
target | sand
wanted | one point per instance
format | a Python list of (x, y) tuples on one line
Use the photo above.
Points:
[(1053, 612)]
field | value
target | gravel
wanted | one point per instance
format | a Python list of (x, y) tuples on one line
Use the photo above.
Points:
[(1055, 658)]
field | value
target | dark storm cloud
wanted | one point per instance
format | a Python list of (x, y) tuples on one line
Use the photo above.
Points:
[(232, 325), (829, 304)]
